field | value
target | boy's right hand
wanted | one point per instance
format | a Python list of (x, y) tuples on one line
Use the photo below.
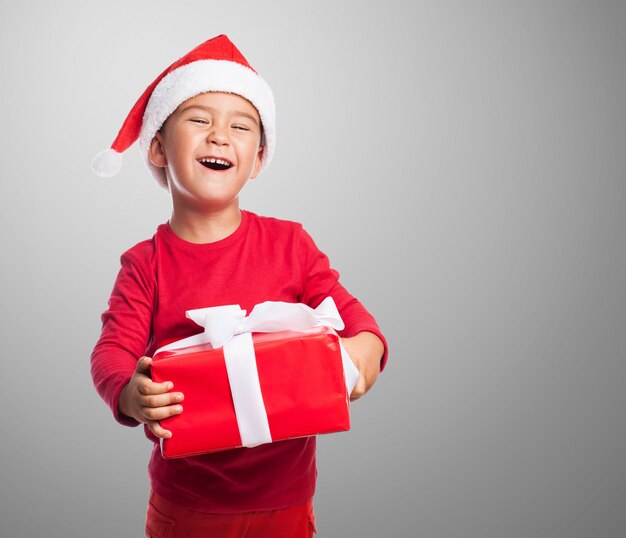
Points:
[(147, 401)]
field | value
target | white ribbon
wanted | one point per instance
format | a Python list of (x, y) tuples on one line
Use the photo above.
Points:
[(228, 327)]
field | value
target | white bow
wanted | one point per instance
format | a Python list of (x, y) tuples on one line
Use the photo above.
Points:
[(221, 323)]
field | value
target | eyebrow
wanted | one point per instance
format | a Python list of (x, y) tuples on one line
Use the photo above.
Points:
[(211, 109)]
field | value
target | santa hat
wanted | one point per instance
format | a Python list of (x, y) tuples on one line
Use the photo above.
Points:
[(214, 66)]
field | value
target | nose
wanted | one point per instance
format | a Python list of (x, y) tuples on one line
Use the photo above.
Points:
[(218, 134)]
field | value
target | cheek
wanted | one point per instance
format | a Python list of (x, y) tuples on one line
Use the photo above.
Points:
[(180, 149), (255, 166), (251, 150), (180, 138)]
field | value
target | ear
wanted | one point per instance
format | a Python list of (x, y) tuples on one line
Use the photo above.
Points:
[(258, 164), (156, 153)]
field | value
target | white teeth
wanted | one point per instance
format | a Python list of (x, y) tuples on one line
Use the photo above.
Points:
[(215, 161)]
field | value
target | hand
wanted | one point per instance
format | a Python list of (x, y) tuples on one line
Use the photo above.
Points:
[(149, 402), (365, 350)]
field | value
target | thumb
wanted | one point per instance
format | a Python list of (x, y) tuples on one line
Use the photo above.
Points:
[(359, 388), (143, 365)]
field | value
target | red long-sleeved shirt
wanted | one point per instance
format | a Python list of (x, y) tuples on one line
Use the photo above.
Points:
[(265, 259)]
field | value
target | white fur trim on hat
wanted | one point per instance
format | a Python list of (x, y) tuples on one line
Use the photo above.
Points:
[(207, 76)]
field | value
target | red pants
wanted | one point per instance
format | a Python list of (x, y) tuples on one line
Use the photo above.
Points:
[(168, 520)]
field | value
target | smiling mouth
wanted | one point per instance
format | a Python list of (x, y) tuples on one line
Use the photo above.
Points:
[(215, 164)]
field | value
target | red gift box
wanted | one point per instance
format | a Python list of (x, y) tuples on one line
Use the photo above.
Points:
[(302, 383)]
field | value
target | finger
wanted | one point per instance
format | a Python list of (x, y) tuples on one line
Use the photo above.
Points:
[(159, 413), (149, 387), (161, 400), (158, 430)]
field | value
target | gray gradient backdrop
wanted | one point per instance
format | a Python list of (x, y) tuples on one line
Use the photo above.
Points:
[(463, 166)]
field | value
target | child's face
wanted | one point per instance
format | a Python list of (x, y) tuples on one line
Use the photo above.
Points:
[(209, 147)]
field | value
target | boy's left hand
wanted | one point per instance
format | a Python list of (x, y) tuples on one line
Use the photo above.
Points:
[(365, 350)]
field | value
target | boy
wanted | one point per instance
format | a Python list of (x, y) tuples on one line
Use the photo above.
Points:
[(206, 126)]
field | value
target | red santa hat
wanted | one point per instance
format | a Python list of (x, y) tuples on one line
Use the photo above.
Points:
[(214, 66)]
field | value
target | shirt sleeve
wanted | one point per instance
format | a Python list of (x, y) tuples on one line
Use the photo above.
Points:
[(126, 329), (320, 281)]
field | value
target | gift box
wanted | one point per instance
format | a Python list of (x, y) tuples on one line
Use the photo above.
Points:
[(245, 387)]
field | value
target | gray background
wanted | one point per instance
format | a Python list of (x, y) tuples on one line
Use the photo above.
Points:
[(463, 166)]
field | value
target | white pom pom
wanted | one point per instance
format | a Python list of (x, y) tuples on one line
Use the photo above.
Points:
[(107, 163)]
